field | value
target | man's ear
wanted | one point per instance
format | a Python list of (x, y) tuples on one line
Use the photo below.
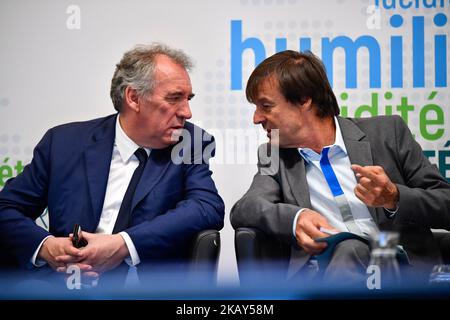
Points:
[(131, 99), (307, 105)]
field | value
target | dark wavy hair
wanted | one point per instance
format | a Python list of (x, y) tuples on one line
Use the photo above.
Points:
[(300, 76)]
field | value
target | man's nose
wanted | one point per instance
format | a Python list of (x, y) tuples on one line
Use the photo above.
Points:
[(257, 117), (185, 111)]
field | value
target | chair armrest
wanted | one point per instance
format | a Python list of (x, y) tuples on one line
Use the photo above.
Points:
[(247, 244), (204, 251), (443, 240), (257, 251), (252, 244)]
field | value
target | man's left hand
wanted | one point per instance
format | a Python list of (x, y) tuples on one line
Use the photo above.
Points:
[(374, 187), (104, 252)]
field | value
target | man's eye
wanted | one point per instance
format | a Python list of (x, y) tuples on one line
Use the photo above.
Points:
[(173, 99)]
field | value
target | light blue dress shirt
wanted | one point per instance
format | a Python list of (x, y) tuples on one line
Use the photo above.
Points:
[(322, 199)]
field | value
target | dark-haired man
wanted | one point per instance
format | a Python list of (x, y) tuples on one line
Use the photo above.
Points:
[(336, 174)]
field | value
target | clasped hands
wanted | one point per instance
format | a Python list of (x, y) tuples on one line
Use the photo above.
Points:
[(102, 253), (374, 188)]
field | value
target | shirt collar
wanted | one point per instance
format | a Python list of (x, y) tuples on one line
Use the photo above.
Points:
[(339, 141), (338, 146), (124, 144)]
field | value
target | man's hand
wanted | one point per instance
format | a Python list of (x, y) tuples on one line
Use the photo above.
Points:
[(307, 229), (374, 187), (54, 247), (103, 252)]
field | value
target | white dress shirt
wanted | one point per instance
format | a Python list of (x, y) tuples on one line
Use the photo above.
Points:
[(123, 165), (322, 199)]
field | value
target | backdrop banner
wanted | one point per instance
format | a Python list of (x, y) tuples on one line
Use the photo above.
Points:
[(383, 57)]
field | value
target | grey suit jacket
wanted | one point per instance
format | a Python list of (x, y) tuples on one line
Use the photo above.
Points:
[(275, 196)]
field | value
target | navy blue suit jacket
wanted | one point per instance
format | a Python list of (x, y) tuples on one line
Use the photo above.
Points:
[(69, 174)]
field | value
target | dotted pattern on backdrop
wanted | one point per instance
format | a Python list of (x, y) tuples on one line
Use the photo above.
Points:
[(281, 2), (230, 109), (226, 109), (4, 138), (4, 102), (11, 144)]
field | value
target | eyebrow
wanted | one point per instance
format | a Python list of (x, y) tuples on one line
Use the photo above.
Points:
[(179, 94), (263, 100)]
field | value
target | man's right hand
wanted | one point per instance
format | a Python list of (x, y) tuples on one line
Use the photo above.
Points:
[(307, 229), (58, 246)]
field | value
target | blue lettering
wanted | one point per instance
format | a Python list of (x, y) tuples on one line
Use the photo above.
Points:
[(405, 6), (388, 6), (418, 52), (431, 5), (305, 44), (440, 53), (237, 49), (351, 47), (396, 21), (280, 44), (427, 4)]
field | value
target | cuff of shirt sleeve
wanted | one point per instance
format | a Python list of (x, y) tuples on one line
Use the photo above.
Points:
[(133, 259), (295, 221), (35, 261), (391, 213)]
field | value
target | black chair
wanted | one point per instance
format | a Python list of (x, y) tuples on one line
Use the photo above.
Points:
[(204, 253), (443, 240), (254, 248), (197, 268)]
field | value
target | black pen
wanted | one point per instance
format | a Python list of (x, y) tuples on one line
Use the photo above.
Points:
[(77, 238)]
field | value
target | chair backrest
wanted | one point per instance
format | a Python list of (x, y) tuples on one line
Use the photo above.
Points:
[(204, 254), (257, 251), (205, 248)]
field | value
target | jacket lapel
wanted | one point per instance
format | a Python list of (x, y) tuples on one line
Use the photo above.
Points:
[(155, 168), (358, 149), (97, 156), (296, 176)]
